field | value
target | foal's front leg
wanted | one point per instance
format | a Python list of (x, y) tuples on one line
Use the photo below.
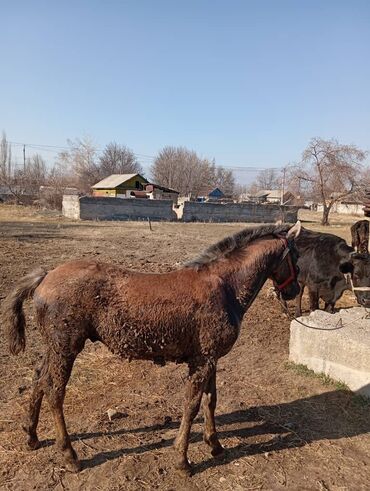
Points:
[(209, 406), (199, 374)]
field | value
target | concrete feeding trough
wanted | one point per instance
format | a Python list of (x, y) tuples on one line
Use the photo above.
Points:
[(335, 344)]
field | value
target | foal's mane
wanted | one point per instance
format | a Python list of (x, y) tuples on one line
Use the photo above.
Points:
[(234, 243)]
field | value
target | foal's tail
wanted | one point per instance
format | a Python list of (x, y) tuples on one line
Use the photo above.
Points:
[(13, 315)]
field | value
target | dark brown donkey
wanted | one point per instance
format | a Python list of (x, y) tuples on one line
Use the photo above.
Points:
[(360, 236), (192, 315)]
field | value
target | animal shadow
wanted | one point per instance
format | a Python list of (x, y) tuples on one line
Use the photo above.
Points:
[(327, 416)]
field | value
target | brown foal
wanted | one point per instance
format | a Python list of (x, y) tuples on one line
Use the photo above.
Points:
[(192, 315)]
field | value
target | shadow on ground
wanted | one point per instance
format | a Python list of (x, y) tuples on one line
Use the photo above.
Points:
[(294, 424)]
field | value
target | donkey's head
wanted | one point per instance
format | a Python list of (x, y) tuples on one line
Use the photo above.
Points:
[(358, 271), (284, 275)]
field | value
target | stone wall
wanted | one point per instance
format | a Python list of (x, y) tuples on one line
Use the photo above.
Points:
[(238, 212), (90, 208), (107, 208), (335, 344), (71, 206)]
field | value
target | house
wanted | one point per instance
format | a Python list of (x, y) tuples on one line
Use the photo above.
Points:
[(154, 191), (346, 206), (120, 186), (350, 207), (310, 202), (273, 196), (210, 194)]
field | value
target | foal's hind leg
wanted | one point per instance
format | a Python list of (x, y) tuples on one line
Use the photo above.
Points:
[(59, 371), (35, 406), (199, 374), (209, 406)]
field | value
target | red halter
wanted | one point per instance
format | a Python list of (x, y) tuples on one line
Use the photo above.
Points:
[(293, 273)]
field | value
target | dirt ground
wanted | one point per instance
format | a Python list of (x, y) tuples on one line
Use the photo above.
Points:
[(282, 429)]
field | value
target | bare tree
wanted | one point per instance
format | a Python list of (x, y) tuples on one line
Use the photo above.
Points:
[(181, 169), (331, 171), (118, 159), (165, 169), (26, 181), (295, 185), (6, 168), (268, 179), (59, 178), (252, 188), (23, 182), (81, 160), (365, 178), (241, 192), (32, 176), (5, 158), (222, 178)]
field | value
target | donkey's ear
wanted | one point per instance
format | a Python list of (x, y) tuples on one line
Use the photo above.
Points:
[(294, 231)]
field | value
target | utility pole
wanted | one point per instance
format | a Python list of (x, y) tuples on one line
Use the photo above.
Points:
[(283, 187), (9, 161), (24, 158)]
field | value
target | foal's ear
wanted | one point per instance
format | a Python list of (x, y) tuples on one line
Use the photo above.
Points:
[(294, 231)]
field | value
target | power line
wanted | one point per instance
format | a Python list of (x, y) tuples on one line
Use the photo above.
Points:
[(39, 145), (145, 159), (249, 168), (58, 149)]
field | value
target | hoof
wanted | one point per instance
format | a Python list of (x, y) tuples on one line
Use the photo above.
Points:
[(32, 441), (218, 451), (212, 441), (184, 467), (74, 465), (33, 444), (71, 460)]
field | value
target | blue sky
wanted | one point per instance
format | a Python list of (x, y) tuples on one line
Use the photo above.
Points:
[(245, 82)]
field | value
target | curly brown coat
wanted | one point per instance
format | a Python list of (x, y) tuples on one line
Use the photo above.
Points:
[(190, 315)]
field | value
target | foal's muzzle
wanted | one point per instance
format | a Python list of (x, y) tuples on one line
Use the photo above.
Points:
[(291, 292)]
